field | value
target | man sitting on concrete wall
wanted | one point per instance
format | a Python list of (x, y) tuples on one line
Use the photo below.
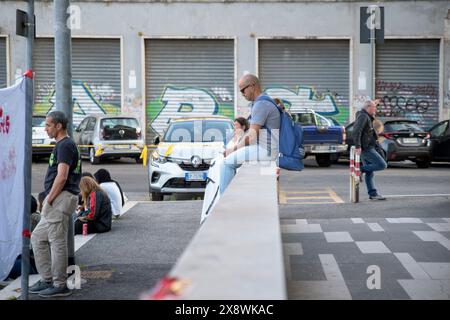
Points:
[(257, 144)]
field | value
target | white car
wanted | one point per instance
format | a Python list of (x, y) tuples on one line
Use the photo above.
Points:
[(109, 136), (41, 143), (181, 161)]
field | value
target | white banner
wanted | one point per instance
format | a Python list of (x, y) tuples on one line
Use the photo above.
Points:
[(12, 157)]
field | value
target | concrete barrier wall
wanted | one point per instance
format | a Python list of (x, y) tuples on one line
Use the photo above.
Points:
[(237, 252)]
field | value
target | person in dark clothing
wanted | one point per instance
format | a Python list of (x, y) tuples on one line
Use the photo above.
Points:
[(103, 176), (97, 213), (366, 145), (49, 238), (16, 270)]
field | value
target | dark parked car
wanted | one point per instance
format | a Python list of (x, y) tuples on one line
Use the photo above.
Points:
[(401, 139), (440, 140)]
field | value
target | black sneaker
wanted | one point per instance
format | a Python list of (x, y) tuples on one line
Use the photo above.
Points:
[(377, 197), (39, 286), (55, 291)]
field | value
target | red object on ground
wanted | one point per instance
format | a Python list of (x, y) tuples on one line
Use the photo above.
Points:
[(29, 74), (26, 233), (168, 288)]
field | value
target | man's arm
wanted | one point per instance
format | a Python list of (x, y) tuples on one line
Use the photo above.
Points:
[(357, 131), (250, 136), (58, 183)]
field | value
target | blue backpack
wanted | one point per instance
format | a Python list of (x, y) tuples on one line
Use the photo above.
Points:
[(290, 140)]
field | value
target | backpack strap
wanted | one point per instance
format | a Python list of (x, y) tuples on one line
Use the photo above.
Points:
[(265, 97)]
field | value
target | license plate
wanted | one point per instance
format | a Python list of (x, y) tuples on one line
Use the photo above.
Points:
[(409, 140), (195, 176), (38, 141), (322, 148), (121, 147)]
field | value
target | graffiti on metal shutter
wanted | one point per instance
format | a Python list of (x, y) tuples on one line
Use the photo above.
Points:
[(178, 102), (414, 102), (87, 99), (327, 104)]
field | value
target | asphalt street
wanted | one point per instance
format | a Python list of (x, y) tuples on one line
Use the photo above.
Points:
[(328, 242), (140, 249)]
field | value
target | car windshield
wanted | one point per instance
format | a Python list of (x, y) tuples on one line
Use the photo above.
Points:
[(115, 122), (39, 122), (198, 131), (402, 126)]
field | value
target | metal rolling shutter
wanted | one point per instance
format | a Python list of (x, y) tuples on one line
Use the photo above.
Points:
[(407, 73), (302, 65), (186, 78), (3, 75), (96, 76)]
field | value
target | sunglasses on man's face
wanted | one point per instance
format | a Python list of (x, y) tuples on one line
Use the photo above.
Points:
[(243, 89)]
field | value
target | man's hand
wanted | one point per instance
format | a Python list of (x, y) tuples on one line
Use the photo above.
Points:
[(58, 183), (227, 152), (358, 151)]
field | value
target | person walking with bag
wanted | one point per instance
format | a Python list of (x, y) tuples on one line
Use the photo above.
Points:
[(366, 145), (49, 239)]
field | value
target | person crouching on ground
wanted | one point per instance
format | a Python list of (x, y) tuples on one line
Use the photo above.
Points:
[(112, 189), (97, 213)]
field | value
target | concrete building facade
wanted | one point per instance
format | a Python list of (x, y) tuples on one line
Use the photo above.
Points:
[(158, 60)]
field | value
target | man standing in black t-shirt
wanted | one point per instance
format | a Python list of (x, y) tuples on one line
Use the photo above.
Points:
[(62, 189)]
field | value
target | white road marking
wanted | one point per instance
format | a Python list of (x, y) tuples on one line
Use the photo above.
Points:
[(330, 267), (411, 266), (375, 227), (416, 195), (404, 220)]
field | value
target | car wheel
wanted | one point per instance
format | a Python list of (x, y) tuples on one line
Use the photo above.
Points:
[(323, 160), (92, 158), (156, 196), (423, 163)]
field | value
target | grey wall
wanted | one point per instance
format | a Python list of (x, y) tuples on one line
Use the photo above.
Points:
[(243, 21)]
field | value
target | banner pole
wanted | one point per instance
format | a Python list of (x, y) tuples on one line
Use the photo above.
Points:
[(28, 154)]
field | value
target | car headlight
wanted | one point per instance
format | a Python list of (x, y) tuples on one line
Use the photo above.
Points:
[(158, 158)]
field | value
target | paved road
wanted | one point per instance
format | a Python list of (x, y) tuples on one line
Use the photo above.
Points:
[(141, 248), (328, 242), (332, 247)]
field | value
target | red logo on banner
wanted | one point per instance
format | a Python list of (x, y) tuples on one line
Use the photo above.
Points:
[(4, 122)]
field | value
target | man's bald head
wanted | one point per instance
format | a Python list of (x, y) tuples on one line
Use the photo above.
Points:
[(250, 86), (249, 79)]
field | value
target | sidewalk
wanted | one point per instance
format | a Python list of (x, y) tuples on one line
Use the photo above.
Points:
[(142, 247)]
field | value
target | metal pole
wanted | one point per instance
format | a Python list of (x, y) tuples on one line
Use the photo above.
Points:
[(357, 177), (63, 85), (354, 175), (27, 161), (63, 61), (372, 52)]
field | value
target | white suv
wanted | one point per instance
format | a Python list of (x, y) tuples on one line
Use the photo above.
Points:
[(182, 158), (42, 144)]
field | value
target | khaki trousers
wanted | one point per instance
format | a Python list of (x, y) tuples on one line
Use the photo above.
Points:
[(49, 238)]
